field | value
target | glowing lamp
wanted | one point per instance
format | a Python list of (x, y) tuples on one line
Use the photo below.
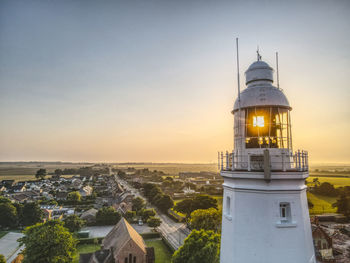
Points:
[(258, 121)]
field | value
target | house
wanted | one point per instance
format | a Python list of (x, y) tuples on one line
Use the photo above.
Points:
[(19, 198), (55, 212), (125, 197), (89, 216), (86, 191), (323, 245), (18, 188), (8, 183), (61, 195), (123, 207), (122, 245), (76, 183)]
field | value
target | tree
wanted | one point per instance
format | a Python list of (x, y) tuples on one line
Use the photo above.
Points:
[(58, 173), (310, 204), (74, 196), (8, 215), (2, 258), (130, 215), (147, 213), (154, 192), (48, 242), (343, 205), (31, 214), (107, 216), (122, 174), (165, 203), (40, 174), (154, 222), (188, 205), (138, 204), (199, 247), (326, 189), (316, 182), (4, 200), (73, 223), (207, 219), (185, 207)]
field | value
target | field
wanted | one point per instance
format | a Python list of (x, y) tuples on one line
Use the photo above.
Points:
[(162, 253), (21, 171), (322, 204), (173, 168), (81, 249), (336, 181)]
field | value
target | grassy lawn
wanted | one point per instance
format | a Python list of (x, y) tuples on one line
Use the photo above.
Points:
[(81, 249), (2, 233), (322, 204), (162, 253)]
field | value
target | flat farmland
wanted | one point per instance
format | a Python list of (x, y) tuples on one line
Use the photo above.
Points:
[(172, 168), (336, 181), (26, 170)]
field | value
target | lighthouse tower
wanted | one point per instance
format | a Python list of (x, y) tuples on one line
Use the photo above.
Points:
[(265, 216)]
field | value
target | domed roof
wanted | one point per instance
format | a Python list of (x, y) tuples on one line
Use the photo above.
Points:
[(260, 92), (259, 70), (262, 95)]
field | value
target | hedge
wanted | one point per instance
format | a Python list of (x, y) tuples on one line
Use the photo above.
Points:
[(150, 235), (84, 241)]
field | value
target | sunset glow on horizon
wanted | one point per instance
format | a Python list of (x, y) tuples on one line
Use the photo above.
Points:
[(156, 81)]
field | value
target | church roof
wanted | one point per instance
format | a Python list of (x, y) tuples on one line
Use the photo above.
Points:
[(120, 235)]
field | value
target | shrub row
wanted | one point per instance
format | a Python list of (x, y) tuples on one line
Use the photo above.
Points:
[(84, 241)]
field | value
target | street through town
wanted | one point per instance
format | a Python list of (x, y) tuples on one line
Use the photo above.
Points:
[(175, 233)]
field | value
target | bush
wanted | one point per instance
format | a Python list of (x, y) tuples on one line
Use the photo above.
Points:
[(85, 241), (150, 235)]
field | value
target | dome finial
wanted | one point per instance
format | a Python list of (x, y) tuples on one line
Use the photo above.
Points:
[(258, 54)]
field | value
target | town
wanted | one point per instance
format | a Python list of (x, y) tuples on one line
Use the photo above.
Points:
[(174, 131), (161, 209)]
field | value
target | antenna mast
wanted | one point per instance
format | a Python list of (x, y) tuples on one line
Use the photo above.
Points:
[(238, 79), (278, 77), (239, 98)]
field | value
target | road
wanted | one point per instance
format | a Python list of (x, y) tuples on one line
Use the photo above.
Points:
[(9, 246), (175, 233)]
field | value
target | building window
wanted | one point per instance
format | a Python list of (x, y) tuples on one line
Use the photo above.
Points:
[(126, 260), (285, 213), (130, 258), (134, 259), (228, 205)]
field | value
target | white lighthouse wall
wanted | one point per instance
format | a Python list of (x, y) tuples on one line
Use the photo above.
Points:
[(252, 231)]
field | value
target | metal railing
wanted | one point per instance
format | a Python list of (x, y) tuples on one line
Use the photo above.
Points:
[(255, 162)]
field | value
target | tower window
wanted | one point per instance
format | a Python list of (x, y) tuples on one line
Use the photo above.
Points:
[(285, 213)]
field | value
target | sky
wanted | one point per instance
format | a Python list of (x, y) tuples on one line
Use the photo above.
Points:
[(155, 81)]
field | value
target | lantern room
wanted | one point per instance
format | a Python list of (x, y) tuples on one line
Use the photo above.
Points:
[(261, 113)]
